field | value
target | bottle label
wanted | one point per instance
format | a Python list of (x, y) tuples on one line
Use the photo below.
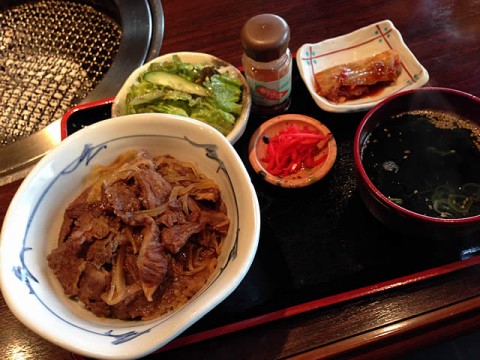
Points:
[(270, 93)]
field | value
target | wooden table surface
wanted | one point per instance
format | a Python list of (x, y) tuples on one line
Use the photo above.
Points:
[(445, 37)]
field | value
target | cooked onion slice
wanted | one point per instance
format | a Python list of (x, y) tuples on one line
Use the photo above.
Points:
[(117, 286)]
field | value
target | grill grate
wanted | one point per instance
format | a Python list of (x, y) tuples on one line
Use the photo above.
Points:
[(52, 55)]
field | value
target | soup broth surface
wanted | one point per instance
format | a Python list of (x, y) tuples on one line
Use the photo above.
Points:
[(426, 161)]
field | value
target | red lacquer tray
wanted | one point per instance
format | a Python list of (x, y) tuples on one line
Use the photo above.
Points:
[(319, 245)]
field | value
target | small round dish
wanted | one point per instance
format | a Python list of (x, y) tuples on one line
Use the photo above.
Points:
[(305, 176)]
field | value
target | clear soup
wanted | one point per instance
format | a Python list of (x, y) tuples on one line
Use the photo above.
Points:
[(427, 162)]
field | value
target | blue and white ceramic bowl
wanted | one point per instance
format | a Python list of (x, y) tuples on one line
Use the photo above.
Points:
[(31, 228)]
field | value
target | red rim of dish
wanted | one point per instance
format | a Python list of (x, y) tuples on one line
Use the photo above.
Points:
[(64, 121)]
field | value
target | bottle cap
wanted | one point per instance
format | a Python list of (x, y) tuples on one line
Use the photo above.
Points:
[(265, 37)]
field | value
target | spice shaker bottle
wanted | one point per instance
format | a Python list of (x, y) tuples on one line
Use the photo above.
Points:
[(267, 63)]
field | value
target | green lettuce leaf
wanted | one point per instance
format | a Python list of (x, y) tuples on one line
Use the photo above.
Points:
[(220, 109)]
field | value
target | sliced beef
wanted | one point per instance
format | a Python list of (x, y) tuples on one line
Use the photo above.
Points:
[(175, 237), (165, 166), (93, 283), (195, 210), (101, 252), (171, 217), (139, 216), (80, 206), (154, 188), (215, 220), (66, 228), (67, 266), (152, 261), (136, 305), (123, 197), (131, 268)]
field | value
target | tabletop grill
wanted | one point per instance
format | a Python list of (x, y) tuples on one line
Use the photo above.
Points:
[(55, 54)]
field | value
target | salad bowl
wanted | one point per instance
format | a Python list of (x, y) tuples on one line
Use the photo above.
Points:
[(184, 95)]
